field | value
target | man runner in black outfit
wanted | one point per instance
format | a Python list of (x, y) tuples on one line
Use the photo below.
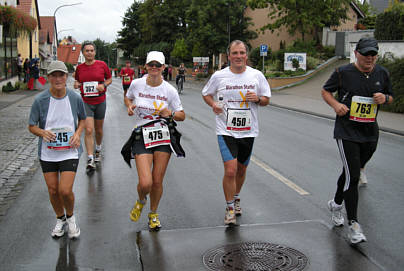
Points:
[(362, 86)]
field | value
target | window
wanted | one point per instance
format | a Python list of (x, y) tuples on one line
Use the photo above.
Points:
[(8, 54)]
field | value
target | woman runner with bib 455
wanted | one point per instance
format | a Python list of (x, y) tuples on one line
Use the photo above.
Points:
[(149, 99), (362, 86), (57, 117)]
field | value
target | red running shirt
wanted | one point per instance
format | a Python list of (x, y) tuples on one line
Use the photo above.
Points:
[(127, 75), (98, 72)]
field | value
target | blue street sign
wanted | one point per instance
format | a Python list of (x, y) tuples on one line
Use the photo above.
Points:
[(263, 48)]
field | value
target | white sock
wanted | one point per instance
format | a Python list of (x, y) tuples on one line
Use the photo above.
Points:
[(91, 157), (230, 204), (98, 147)]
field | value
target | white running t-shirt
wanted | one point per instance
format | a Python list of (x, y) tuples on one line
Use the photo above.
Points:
[(150, 100), (240, 118), (60, 120)]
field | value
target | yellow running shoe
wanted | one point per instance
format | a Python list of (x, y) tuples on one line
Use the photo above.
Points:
[(136, 211), (154, 222)]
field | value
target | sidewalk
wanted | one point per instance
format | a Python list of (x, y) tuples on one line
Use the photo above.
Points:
[(306, 98), (18, 147)]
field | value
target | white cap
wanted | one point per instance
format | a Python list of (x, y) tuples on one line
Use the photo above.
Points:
[(155, 56), (57, 66)]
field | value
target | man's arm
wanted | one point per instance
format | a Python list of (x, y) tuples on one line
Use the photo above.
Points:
[(211, 102), (339, 108)]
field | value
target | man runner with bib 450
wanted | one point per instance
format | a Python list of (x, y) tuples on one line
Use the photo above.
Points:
[(362, 86), (234, 93), (93, 77)]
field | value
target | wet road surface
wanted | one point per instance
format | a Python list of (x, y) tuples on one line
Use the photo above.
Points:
[(291, 177)]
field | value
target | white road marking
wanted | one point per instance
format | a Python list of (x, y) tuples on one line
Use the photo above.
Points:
[(279, 176)]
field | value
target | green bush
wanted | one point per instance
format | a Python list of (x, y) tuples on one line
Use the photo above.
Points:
[(20, 85), (8, 87), (311, 63), (390, 24), (300, 46), (256, 58), (328, 51), (395, 68)]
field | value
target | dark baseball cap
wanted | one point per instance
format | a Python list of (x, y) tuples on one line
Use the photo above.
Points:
[(366, 45)]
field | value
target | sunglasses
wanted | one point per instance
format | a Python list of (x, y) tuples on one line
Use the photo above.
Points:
[(370, 53), (155, 65)]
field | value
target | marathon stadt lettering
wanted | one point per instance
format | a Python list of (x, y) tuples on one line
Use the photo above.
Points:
[(237, 87), (148, 96)]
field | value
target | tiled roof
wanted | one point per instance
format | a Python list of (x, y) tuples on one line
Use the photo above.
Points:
[(47, 29), (25, 6), (67, 54)]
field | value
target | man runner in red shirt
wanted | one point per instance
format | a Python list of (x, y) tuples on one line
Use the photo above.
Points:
[(92, 77), (127, 74)]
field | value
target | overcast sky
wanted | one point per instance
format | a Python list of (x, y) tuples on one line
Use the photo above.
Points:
[(88, 21)]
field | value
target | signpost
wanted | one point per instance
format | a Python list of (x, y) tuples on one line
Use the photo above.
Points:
[(263, 53)]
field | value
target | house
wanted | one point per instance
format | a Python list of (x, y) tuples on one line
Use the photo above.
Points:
[(70, 53), (260, 18), (28, 44), (47, 40), (21, 40)]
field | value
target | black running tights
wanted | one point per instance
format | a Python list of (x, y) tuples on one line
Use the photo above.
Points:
[(354, 156)]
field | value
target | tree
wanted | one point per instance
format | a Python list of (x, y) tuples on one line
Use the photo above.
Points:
[(129, 37), (369, 21), (106, 52), (390, 24), (180, 49), (183, 26), (302, 16), (213, 23)]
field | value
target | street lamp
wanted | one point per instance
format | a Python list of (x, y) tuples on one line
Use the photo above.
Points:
[(54, 16)]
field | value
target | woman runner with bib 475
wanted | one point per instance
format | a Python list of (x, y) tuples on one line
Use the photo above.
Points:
[(149, 99)]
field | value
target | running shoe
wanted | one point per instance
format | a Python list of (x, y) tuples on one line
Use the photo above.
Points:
[(336, 213), (59, 231), (237, 207), (230, 217), (154, 222), (90, 164), (362, 179), (74, 230), (136, 211), (355, 234), (97, 156)]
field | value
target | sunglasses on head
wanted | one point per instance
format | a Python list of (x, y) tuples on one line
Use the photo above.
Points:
[(155, 65), (370, 53)]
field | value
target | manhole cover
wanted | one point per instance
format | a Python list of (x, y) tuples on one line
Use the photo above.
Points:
[(253, 256)]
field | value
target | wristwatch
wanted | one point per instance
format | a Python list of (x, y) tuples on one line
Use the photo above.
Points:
[(105, 85), (173, 114)]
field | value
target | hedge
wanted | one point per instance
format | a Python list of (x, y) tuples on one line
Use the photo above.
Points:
[(395, 68)]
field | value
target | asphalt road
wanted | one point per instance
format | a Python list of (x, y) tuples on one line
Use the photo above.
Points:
[(291, 177)]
